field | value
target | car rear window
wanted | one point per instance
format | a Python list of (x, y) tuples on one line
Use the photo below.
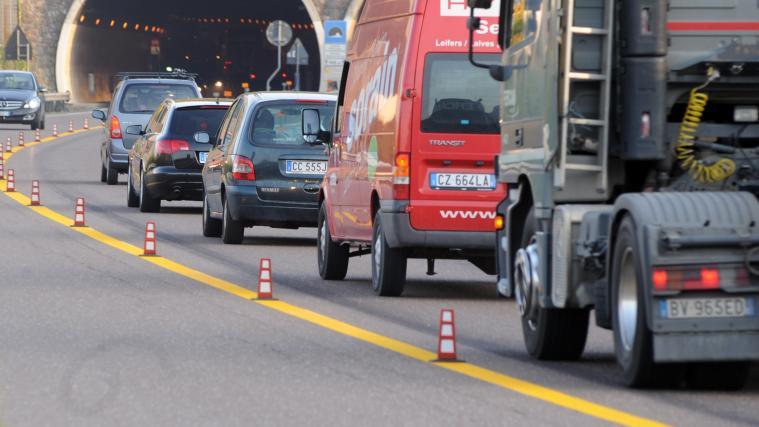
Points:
[(144, 98), (280, 124), (459, 97), (187, 121)]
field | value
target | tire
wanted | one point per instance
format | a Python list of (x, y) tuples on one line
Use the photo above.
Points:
[(633, 341), (332, 257), (388, 265), (211, 226), (232, 232), (718, 376), (552, 334), (103, 173), (133, 199), (112, 175), (147, 203), (38, 123)]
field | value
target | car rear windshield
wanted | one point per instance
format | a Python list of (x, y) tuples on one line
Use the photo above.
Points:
[(144, 98), (188, 121), (281, 123), (16, 81), (459, 97)]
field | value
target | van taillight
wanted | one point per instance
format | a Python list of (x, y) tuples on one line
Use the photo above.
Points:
[(171, 146), (115, 128), (401, 178), (242, 169), (703, 278)]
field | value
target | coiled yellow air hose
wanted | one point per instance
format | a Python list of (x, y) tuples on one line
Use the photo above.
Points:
[(700, 171)]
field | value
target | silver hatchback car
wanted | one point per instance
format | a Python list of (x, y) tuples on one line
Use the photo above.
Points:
[(135, 98)]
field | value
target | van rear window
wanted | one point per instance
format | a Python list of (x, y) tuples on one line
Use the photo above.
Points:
[(459, 97), (144, 98)]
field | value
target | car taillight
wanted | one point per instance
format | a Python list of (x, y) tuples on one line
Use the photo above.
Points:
[(401, 178), (704, 278), (242, 169), (171, 146), (115, 128)]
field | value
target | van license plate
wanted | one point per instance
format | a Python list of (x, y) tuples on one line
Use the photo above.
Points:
[(202, 156), (696, 308), (462, 181), (305, 167)]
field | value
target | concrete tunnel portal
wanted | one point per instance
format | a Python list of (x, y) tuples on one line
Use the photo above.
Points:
[(223, 41)]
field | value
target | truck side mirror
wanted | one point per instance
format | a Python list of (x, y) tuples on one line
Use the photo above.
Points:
[(311, 125)]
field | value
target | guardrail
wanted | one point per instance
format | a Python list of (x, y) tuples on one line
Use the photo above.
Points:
[(57, 101)]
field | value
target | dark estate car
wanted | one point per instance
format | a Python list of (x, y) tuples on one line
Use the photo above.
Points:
[(22, 99), (135, 98), (166, 160), (262, 171)]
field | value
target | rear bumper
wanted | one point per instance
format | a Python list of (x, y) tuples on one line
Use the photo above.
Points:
[(706, 347), (168, 183), (245, 205), (400, 234)]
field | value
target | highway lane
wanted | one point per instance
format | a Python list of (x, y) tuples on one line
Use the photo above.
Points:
[(488, 328)]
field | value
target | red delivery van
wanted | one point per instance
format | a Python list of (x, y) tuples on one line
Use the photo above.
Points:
[(411, 165)]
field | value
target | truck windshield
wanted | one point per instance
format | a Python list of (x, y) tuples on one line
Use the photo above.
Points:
[(145, 98), (458, 97)]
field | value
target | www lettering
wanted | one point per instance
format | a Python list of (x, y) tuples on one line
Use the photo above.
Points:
[(468, 214)]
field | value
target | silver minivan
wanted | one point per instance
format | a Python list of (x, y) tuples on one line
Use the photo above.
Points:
[(135, 98)]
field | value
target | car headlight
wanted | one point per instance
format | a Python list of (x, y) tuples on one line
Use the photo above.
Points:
[(33, 103)]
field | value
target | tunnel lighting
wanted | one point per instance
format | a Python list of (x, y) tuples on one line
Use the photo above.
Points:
[(147, 28), (153, 29), (98, 21), (218, 57), (187, 57), (169, 69), (242, 20), (126, 24), (82, 18), (136, 26), (218, 84), (113, 23), (226, 20)]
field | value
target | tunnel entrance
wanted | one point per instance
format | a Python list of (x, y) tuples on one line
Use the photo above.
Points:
[(224, 42)]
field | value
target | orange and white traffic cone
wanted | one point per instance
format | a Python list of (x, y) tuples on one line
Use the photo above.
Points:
[(8, 145), (55, 130), (150, 248), (21, 139), (446, 347), (11, 183), (2, 166), (35, 193), (71, 125), (86, 124), (79, 213), (37, 136), (265, 290)]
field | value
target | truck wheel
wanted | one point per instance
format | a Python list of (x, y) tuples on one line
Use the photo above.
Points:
[(388, 264), (633, 341), (718, 376), (332, 257), (232, 232), (133, 200), (549, 334), (211, 226)]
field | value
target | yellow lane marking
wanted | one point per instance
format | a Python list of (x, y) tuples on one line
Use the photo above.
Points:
[(525, 388)]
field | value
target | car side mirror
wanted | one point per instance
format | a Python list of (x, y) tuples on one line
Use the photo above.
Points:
[(99, 114), (202, 137), (311, 125), (42, 89), (135, 130)]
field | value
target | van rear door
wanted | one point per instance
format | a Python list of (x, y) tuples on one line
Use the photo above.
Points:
[(453, 185)]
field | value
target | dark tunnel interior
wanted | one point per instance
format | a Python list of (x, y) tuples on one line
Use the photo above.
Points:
[(222, 41)]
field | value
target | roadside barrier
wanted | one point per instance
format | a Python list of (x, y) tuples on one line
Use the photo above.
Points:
[(265, 290), (35, 193), (446, 348), (21, 138), (37, 136), (8, 145), (150, 239), (11, 184), (55, 130), (79, 213)]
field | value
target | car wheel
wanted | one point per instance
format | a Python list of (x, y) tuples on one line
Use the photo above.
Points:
[(112, 175), (211, 226), (232, 232), (388, 264), (133, 200), (549, 334), (332, 257), (633, 341), (103, 173), (147, 203)]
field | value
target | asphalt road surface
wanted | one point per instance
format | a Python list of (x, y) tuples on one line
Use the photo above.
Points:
[(93, 335)]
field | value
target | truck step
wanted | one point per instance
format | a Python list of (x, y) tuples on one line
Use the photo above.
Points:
[(587, 76), (584, 167), (590, 31)]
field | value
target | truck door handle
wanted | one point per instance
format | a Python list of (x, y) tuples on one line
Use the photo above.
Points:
[(519, 137)]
